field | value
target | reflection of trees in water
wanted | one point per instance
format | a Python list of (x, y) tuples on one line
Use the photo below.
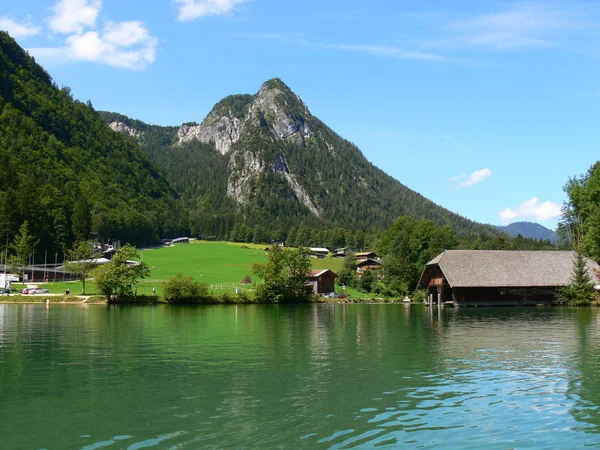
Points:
[(584, 373)]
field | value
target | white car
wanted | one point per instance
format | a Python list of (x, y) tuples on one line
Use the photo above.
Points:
[(38, 291)]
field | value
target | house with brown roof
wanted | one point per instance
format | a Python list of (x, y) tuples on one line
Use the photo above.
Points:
[(362, 256), (499, 277), (322, 281), (367, 264)]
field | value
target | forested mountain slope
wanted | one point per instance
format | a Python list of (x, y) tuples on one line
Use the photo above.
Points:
[(530, 230), (266, 161), (64, 171)]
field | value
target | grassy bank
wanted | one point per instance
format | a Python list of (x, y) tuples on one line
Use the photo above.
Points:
[(221, 265)]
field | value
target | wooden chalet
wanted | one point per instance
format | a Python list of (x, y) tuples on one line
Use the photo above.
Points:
[(319, 252), (363, 256), (498, 277), (367, 264), (340, 252), (322, 281)]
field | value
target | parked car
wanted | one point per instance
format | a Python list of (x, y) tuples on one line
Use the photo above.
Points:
[(24, 291), (4, 291), (38, 291)]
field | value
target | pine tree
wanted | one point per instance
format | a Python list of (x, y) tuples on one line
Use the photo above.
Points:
[(81, 221), (348, 275), (23, 245), (579, 292)]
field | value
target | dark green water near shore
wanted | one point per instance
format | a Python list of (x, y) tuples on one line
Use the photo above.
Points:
[(315, 376)]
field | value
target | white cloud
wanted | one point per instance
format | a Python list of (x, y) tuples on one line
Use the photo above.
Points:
[(193, 9), (18, 29), (126, 45), (526, 25), (389, 51), (73, 16), (532, 209), (473, 179)]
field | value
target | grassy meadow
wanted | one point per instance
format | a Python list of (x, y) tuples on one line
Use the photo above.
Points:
[(221, 265), (210, 262)]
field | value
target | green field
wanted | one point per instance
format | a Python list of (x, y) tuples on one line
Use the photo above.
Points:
[(221, 265), (210, 262)]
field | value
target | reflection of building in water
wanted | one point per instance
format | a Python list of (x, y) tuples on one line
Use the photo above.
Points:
[(319, 337), (483, 277), (531, 339)]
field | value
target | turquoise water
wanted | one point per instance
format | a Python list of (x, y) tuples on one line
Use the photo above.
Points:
[(316, 376)]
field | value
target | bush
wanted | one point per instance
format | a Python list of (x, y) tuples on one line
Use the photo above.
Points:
[(182, 288), (366, 282), (419, 296)]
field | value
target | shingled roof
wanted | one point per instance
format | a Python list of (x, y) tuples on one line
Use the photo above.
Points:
[(500, 268)]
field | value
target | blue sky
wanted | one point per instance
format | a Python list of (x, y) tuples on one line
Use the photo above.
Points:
[(486, 107)]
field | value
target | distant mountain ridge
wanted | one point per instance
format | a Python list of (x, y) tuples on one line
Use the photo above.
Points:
[(266, 160), (530, 230)]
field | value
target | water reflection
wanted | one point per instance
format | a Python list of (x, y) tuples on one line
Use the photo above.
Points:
[(315, 376)]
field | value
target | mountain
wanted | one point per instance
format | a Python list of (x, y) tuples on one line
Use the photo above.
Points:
[(65, 172), (266, 161), (530, 230)]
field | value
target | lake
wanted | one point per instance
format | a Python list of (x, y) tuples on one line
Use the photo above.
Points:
[(313, 376)]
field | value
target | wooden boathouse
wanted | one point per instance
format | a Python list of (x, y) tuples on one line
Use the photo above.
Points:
[(499, 277)]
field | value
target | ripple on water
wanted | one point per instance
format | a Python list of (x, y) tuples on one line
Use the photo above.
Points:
[(299, 377)]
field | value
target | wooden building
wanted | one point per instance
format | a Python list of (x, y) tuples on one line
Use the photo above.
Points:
[(340, 252), (498, 277), (322, 281), (319, 252), (367, 264), (363, 256)]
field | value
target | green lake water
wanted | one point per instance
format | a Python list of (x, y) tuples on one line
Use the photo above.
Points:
[(294, 377)]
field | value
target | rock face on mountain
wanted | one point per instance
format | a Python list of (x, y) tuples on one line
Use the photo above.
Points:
[(224, 131), (266, 158), (120, 127)]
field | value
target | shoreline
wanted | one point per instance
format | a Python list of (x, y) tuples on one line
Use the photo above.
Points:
[(97, 300)]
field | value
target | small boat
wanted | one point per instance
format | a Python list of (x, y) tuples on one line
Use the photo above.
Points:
[(406, 299)]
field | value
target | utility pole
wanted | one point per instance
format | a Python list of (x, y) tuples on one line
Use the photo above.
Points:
[(45, 266), (55, 264)]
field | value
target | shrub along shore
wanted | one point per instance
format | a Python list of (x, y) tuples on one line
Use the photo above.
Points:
[(211, 299)]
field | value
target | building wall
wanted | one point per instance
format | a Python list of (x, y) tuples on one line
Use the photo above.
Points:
[(503, 296), (324, 284)]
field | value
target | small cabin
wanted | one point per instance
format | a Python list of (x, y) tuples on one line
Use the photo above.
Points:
[(319, 252), (363, 256), (340, 252), (499, 277), (322, 281), (367, 264)]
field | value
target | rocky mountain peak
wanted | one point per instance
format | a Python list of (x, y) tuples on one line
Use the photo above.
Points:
[(283, 111), (275, 106)]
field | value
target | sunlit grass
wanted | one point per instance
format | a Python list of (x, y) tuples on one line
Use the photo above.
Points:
[(221, 265)]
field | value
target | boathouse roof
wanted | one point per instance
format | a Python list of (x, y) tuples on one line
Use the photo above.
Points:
[(505, 268)]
